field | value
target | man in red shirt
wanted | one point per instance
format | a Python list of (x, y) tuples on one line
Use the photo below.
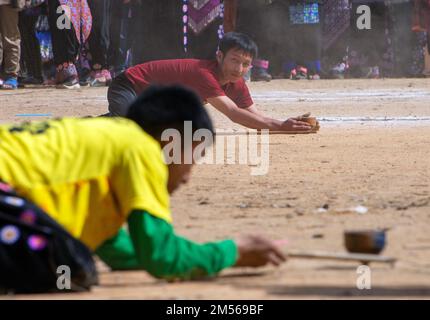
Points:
[(218, 82)]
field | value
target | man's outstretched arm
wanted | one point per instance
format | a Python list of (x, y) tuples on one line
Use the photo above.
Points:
[(253, 109), (152, 245), (253, 119)]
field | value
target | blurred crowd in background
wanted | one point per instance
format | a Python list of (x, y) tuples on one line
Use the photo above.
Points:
[(297, 39)]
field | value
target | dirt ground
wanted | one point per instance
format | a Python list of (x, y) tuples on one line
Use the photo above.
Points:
[(354, 160)]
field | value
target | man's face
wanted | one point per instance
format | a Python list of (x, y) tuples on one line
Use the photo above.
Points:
[(181, 173), (178, 174), (235, 64)]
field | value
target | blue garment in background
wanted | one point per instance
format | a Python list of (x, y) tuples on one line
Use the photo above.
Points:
[(304, 13)]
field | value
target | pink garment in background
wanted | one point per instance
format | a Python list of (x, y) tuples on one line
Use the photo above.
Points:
[(81, 17)]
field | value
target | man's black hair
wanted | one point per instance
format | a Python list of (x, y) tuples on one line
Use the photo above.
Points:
[(167, 107), (240, 41)]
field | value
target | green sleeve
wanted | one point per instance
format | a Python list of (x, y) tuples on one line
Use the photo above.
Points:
[(153, 246), (118, 252)]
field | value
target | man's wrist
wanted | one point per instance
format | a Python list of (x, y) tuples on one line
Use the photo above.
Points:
[(275, 125), (231, 252)]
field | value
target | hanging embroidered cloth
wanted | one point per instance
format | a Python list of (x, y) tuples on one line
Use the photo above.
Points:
[(201, 13), (81, 17)]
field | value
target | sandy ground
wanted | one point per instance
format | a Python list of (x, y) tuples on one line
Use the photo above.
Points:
[(382, 165)]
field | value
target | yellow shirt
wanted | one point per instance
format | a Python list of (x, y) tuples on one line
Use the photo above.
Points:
[(87, 174)]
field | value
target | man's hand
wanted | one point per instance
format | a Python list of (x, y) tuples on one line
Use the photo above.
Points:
[(256, 251), (295, 125)]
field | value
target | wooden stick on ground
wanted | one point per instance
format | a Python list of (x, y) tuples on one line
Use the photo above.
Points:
[(321, 255)]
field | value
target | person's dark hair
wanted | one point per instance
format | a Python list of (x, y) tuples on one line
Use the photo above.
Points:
[(240, 41), (167, 107)]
